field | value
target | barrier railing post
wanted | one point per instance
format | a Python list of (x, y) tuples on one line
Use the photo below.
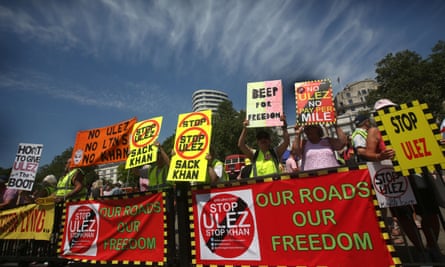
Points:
[(184, 254)]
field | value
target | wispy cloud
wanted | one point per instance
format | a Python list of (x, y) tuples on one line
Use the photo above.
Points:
[(256, 37), (131, 97)]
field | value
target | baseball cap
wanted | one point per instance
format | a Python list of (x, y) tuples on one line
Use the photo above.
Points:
[(360, 118), (382, 103)]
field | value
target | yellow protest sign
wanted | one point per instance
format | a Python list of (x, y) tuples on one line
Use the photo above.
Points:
[(143, 136), (192, 143), (32, 221), (409, 131)]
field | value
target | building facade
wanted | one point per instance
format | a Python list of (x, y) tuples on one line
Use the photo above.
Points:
[(205, 99), (352, 99), (108, 172)]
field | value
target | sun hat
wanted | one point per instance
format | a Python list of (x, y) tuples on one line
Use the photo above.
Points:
[(382, 103), (360, 118), (50, 179)]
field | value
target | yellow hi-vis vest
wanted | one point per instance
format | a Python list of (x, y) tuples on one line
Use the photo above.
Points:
[(264, 163), (157, 175), (65, 184)]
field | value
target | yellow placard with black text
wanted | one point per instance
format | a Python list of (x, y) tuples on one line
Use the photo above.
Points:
[(142, 148), (407, 130), (192, 143)]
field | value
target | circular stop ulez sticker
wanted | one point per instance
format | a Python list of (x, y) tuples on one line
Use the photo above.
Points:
[(389, 183), (227, 225), (82, 229)]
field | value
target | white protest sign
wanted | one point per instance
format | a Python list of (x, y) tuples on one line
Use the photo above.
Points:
[(391, 188), (25, 166)]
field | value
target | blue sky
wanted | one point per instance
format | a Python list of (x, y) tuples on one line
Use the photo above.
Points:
[(71, 65)]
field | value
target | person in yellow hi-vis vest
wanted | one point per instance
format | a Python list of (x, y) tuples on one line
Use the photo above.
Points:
[(266, 159), (215, 169), (71, 184), (157, 174)]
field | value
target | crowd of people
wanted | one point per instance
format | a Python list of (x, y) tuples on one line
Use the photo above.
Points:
[(310, 150)]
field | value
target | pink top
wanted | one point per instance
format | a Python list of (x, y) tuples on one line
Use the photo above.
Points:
[(318, 156)]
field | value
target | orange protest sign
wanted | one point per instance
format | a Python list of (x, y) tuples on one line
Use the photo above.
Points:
[(102, 145)]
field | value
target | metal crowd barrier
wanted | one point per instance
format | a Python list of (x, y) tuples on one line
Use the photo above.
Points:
[(28, 252)]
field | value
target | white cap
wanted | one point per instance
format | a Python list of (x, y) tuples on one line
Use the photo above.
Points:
[(50, 179), (381, 103)]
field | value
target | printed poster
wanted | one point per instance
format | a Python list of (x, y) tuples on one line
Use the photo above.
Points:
[(128, 229), (264, 104), (314, 101), (409, 131), (25, 166), (392, 189), (312, 221), (102, 145), (142, 140), (192, 144), (32, 221)]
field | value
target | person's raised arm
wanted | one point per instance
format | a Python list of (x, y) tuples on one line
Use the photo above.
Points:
[(341, 140), (286, 140), (242, 141), (163, 154), (297, 145)]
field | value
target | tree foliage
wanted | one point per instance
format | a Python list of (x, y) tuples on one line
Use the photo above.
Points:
[(128, 176), (405, 76)]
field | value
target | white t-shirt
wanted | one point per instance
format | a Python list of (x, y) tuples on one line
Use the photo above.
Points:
[(359, 140)]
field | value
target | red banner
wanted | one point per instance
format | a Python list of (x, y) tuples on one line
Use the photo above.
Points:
[(102, 145), (323, 221), (129, 229)]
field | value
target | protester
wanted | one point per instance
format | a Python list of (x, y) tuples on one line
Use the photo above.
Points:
[(107, 189), (291, 162), (71, 185), (8, 195), (117, 190), (96, 189), (359, 136), (47, 188), (215, 169), (142, 172), (317, 151), (426, 206), (265, 160), (157, 174)]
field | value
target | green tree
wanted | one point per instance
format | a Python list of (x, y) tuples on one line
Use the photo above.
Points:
[(405, 76), (128, 176), (226, 128)]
